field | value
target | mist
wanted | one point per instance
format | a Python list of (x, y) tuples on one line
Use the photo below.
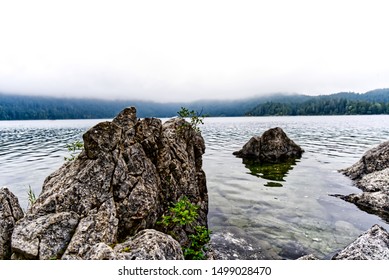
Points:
[(175, 51)]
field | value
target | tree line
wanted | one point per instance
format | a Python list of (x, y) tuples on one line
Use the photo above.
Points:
[(320, 107), (17, 107)]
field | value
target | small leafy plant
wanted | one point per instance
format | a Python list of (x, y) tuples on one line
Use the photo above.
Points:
[(74, 149), (185, 213), (31, 196), (196, 118), (195, 251)]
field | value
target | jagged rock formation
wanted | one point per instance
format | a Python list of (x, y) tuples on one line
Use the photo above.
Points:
[(10, 213), (272, 146), (125, 179), (371, 245), (371, 175)]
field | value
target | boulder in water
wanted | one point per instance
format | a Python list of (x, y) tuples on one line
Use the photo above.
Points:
[(273, 146)]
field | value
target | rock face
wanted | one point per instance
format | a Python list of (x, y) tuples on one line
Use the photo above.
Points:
[(272, 146), (126, 178), (371, 175), (10, 213), (371, 245)]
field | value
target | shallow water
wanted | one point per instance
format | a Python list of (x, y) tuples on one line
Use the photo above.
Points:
[(288, 209)]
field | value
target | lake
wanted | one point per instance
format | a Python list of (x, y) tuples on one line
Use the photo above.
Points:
[(287, 208)]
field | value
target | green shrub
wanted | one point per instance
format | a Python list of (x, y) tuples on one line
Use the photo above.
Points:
[(184, 213), (74, 149), (196, 250), (195, 118)]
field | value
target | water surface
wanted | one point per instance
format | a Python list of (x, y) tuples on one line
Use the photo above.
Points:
[(288, 208)]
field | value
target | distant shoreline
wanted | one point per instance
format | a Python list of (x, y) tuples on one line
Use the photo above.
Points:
[(19, 107)]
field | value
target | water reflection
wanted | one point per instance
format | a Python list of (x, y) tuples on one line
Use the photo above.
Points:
[(275, 172)]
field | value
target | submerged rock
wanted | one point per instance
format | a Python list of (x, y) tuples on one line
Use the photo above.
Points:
[(272, 146), (310, 257), (128, 176), (234, 244), (371, 175), (10, 213), (371, 245)]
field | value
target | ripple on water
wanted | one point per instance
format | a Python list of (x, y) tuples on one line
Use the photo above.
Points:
[(298, 217)]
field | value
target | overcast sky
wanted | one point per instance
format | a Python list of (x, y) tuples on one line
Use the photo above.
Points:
[(189, 50)]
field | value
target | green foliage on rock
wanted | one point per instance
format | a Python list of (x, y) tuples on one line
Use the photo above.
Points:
[(195, 251), (184, 213), (31, 196), (74, 149), (195, 118)]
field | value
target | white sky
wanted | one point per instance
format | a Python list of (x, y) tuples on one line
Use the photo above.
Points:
[(188, 50)]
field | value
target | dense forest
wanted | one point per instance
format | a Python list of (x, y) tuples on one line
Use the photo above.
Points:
[(18, 107), (374, 102)]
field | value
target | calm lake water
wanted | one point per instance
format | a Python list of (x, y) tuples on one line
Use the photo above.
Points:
[(287, 208)]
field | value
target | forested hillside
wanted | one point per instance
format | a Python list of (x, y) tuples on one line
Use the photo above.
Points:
[(17, 107), (374, 102)]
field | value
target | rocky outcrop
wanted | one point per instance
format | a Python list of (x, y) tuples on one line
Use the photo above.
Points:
[(371, 175), (376, 159), (371, 245), (272, 146), (10, 213), (129, 174)]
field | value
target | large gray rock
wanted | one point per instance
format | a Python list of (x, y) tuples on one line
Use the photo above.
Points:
[(128, 176), (10, 213), (148, 244), (45, 237), (272, 146), (371, 175), (371, 245)]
